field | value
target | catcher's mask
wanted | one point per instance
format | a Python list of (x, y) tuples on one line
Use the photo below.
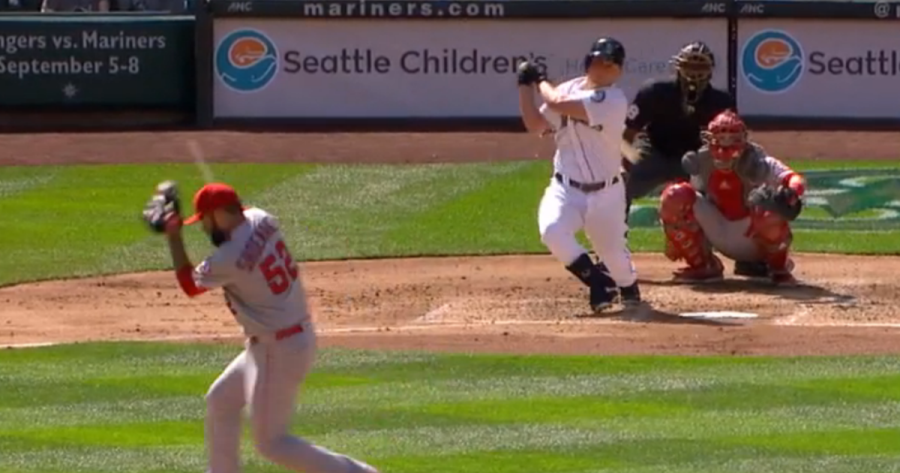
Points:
[(694, 65), (608, 49), (726, 137)]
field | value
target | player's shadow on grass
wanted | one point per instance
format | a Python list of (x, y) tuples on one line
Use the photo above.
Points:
[(802, 292), (647, 314)]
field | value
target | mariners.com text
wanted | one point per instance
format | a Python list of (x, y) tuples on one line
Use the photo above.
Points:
[(388, 9)]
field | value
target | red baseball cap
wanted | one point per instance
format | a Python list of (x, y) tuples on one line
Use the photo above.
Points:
[(211, 197)]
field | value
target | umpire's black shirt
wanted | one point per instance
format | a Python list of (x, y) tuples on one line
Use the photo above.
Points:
[(659, 106)]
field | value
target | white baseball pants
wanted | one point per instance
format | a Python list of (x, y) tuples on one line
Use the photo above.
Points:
[(266, 376), (565, 210)]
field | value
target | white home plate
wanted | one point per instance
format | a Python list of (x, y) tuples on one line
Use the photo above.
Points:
[(720, 315)]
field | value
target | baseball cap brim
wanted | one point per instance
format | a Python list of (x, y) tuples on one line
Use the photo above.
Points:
[(199, 216), (193, 219)]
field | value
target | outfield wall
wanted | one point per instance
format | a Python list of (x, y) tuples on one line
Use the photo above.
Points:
[(432, 65)]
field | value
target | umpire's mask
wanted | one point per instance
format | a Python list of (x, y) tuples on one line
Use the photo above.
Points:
[(694, 65)]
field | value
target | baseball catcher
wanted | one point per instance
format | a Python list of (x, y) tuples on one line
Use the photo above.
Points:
[(665, 120), (739, 201)]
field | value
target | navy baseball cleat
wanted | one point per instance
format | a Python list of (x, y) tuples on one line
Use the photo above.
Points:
[(631, 295), (602, 297)]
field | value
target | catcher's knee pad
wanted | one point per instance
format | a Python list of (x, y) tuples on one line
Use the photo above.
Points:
[(684, 237), (676, 203), (771, 231)]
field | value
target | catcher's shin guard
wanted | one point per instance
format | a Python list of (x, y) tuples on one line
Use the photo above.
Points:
[(600, 283), (684, 237), (772, 235)]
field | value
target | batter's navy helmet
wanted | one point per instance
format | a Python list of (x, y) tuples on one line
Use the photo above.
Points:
[(606, 48)]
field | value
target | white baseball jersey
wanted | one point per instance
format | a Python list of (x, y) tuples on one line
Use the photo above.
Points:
[(260, 278), (589, 152)]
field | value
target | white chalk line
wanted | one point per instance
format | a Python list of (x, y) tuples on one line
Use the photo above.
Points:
[(839, 324), (434, 314), (484, 305), (432, 326), (325, 331)]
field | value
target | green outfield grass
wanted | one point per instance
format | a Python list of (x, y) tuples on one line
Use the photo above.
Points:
[(83, 220), (138, 408)]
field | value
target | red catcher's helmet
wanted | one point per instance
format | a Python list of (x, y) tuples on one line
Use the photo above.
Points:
[(726, 137)]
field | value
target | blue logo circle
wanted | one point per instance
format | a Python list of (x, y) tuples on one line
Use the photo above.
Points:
[(772, 61), (246, 60)]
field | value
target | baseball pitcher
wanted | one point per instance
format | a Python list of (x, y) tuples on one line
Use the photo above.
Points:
[(586, 117), (740, 201), (264, 292)]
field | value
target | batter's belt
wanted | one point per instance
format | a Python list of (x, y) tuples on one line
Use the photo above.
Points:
[(587, 188)]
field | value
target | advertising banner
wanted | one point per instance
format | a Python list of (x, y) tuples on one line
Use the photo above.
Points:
[(409, 68), (80, 60), (807, 68), (453, 10)]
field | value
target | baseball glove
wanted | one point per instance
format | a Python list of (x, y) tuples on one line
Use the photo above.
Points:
[(783, 201), (163, 208), (529, 73)]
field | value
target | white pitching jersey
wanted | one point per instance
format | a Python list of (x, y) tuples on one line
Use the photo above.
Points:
[(260, 278), (589, 152)]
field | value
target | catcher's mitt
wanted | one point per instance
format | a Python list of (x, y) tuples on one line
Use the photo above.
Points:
[(783, 201), (163, 208), (529, 73)]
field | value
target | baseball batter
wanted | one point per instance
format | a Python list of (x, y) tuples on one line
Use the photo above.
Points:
[(264, 292), (739, 201), (586, 117)]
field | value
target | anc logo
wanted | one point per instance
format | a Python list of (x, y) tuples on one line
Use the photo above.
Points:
[(246, 60), (840, 199), (772, 61)]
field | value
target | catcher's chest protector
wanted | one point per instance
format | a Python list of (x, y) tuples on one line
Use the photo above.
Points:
[(750, 170)]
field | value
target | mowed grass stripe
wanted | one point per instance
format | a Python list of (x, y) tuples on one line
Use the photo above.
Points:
[(642, 418), (21, 180), (559, 413), (109, 365), (107, 368), (768, 464), (78, 222), (496, 218), (668, 457), (342, 211), (328, 211), (637, 419)]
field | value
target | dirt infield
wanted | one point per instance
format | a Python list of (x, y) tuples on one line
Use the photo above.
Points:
[(498, 304)]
